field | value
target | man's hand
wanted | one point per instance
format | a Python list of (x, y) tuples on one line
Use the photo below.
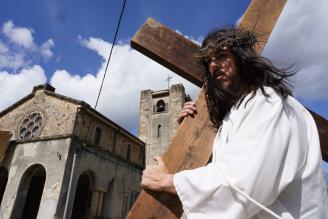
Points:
[(189, 109), (157, 177)]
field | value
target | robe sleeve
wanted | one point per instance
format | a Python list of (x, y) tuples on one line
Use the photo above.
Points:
[(265, 152)]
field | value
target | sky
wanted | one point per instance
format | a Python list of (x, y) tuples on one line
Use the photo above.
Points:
[(66, 43)]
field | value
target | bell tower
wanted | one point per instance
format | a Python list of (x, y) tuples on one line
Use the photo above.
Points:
[(157, 117)]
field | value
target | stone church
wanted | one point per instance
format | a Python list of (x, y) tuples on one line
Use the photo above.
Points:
[(158, 115), (66, 160)]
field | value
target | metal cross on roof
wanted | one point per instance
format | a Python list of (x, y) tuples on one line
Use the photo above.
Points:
[(168, 81)]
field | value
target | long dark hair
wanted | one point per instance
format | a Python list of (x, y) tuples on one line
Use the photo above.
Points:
[(254, 72)]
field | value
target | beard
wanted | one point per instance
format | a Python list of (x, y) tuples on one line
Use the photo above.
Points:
[(226, 93), (221, 97)]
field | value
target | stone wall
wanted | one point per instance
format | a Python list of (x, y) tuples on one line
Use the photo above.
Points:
[(58, 115), (177, 100), (113, 180), (62, 116), (115, 161), (145, 111), (52, 156), (157, 128), (86, 125), (112, 138)]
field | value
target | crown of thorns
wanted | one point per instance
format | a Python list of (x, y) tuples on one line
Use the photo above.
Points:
[(229, 37)]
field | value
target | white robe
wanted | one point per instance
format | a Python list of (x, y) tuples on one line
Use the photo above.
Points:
[(268, 149)]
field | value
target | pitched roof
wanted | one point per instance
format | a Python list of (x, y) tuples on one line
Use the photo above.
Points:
[(50, 90)]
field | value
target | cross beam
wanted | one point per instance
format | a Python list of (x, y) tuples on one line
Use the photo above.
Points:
[(191, 146)]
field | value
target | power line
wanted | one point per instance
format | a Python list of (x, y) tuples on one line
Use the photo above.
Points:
[(111, 50)]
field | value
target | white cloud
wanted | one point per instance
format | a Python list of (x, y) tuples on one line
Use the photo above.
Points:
[(46, 49), (19, 51), (9, 59), (129, 72), (19, 35), (300, 37), (3, 48), (16, 86), (12, 60), (98, 45), (82, 88)]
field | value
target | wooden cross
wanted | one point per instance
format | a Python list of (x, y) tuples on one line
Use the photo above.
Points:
[(191, 146)]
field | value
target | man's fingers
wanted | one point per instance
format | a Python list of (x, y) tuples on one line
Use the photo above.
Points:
[(144, 183), (189, 108), (188, 111), (183, 114), (150, 169), (189, 104)]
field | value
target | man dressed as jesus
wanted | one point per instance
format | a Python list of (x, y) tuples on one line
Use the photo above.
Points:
[(266, 159)]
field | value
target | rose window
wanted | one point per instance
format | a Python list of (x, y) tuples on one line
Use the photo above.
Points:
[(31, 126)]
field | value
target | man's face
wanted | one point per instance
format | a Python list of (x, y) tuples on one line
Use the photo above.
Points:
[(222, 67)]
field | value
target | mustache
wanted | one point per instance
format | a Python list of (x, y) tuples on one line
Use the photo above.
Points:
[(217, 73), (221, 94)]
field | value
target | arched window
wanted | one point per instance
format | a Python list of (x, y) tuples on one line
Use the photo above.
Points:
[(96, 136), (3, 181), (128, 152), (29, 192), (159, 127), (83, 195), (160, 106)]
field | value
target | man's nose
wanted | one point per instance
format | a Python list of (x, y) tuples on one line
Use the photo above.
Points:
[(213, 66)]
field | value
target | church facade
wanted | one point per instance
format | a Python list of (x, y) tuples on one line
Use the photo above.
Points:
[(66, 160)]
